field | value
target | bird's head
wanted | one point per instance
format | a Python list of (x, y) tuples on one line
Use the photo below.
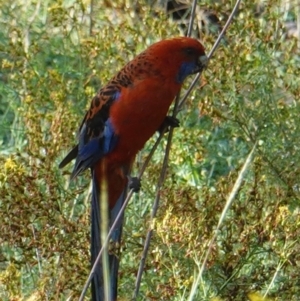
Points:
[(180, 57)]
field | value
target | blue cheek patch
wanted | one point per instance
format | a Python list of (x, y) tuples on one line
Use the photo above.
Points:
[(185, 70)]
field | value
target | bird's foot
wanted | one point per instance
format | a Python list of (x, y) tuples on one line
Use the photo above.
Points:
[(169, 122), (134, 183)]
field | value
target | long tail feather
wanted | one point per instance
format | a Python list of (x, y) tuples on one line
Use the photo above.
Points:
[(116, 239), (97, 282), (114, 246)]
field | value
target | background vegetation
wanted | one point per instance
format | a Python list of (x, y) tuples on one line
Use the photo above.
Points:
[(53, 59)]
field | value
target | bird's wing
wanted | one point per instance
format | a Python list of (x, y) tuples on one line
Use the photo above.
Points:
[(96, 133)]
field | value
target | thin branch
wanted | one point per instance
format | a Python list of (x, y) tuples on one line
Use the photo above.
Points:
[(154, 211), (192, 18)]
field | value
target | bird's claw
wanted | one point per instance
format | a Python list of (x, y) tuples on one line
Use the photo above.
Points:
[(134, 183), (169, 122)]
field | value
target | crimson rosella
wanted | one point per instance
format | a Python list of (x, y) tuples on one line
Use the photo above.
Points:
[(123, 115)]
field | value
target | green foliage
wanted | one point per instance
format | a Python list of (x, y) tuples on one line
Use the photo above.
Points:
[(52, 62)]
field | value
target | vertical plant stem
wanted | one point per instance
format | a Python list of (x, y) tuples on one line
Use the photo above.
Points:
[(104, 230)]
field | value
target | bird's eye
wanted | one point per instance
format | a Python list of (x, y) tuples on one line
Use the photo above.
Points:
[(189, 51)]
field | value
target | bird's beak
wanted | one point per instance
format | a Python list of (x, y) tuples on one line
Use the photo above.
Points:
[(202, 63)]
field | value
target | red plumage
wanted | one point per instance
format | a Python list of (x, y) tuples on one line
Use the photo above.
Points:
[(144, 104), (129, 109)]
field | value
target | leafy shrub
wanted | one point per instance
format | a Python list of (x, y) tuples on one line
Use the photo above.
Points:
[(53, 60)]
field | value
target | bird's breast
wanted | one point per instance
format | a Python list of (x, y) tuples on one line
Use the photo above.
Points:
[(139, 112)]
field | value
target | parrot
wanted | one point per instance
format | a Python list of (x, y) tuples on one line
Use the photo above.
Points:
[(123, 115)]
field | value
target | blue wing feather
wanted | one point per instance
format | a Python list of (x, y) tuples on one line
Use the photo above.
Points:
[(91, 152)]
